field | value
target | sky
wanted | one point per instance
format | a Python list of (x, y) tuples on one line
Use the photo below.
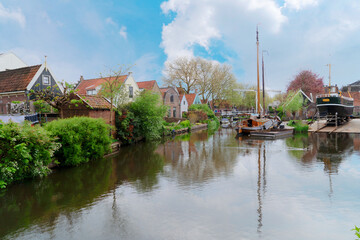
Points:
[(86, 38)]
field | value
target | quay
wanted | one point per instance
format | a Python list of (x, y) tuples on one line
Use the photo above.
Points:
[(353, 126)]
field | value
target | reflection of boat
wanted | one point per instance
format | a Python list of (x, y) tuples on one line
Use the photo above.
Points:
[(225, 123), (334, 103)]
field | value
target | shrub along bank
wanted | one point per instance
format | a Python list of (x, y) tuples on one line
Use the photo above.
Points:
[(26, 151), (81, 138)]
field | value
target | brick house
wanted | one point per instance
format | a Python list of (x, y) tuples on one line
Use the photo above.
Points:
[(171, 99), (90, 106), (93, 87), (150, 86), (15, 85)]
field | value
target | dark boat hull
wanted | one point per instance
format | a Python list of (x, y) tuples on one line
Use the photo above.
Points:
[(330, 105)]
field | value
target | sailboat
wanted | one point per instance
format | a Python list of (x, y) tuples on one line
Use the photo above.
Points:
[(257, 123)]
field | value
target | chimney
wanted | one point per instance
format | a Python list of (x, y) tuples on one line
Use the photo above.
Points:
[(196, 91), (81, 78), (129, 73)]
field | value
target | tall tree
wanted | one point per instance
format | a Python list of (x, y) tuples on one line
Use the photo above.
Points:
[(308, 82), (113, 87), (182, 72)]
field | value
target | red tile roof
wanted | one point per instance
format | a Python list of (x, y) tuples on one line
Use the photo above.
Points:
[(148, 85), (17, 79), (163, 91), (190, 98), (95, 102), (91, 84)]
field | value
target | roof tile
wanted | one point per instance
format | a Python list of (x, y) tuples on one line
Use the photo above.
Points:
[(17, 79), (90, 84)]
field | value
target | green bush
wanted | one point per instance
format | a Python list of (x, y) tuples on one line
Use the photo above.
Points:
[(25, 152), (82, 139), (298, 125), (148, 115)]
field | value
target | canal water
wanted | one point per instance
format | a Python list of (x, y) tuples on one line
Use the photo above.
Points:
[(197, 186)]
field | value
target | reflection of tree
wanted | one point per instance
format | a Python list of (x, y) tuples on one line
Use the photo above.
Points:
[(138, 165), (66, 191), (201, 158), (330, 149), (62, 192)]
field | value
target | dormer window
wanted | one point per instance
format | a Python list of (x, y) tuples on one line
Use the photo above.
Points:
[(46, 80), (91, 92)]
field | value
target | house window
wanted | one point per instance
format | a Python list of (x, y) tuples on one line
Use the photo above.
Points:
[(91, 92), (169, 112), (131, 92), (46, 80), (174, 111), (184, 102), (172, 98)]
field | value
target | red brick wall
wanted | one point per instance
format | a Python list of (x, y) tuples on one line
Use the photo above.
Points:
[(175, 103), (5, 99), (105, 114)]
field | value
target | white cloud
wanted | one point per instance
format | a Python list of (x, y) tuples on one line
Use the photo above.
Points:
[(123, 32), (147, 68), (200, 22), (110, 21), (14, 15), (300, 4)]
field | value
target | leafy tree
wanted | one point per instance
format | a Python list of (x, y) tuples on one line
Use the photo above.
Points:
[(149, 113), (51, 96), (307, 81), (113, 88)]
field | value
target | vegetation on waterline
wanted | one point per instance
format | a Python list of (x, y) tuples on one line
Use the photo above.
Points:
[(25, 152), (299, 126), (82, 139)]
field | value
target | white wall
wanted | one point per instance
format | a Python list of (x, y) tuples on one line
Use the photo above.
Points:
[(183, 105), (10, 61)]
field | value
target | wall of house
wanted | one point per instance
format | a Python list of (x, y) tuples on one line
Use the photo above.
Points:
[(104, 114), (183, 105), (156, 89), (172, 104), (131, 82), (197, 99), (10, 61), (8, 98), (39, 85)]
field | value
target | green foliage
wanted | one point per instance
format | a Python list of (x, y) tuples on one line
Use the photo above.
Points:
[(357, 232), (25, 152), (82, 139), (298, 125), (42, 107), (142, 118), (213, 122), (294, 102)]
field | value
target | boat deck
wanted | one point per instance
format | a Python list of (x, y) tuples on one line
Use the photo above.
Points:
[(273, 134)]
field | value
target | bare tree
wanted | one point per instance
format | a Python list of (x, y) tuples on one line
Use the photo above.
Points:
[(113, 87), (182, 72)]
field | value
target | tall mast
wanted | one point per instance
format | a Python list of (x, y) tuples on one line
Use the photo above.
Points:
[(258, 77), (263, 82), (329, 75)]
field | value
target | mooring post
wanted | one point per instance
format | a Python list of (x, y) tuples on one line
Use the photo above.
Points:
[(336, 120), (318, 120)]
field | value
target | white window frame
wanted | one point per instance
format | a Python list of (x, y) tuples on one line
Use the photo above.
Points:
[(91, 92), (49, 80)]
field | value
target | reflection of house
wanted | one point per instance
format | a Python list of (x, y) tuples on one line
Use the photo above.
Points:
[(16, 84), (90, 106), (172, 100), (93, 86), (150, 86)]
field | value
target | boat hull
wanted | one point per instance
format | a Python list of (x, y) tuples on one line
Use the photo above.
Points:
[(335, 104)]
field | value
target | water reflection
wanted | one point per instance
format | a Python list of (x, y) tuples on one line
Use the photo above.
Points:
[(330, 149), (196, 186), (199, 158)]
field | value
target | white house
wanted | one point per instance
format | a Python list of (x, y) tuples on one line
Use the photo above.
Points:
[(93, 86), (183, 104), (10, 61)]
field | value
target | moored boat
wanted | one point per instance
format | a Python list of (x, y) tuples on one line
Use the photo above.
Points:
[(257, 124), (334, 103)]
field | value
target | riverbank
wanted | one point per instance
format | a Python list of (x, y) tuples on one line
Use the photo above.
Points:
[(353, 126)]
